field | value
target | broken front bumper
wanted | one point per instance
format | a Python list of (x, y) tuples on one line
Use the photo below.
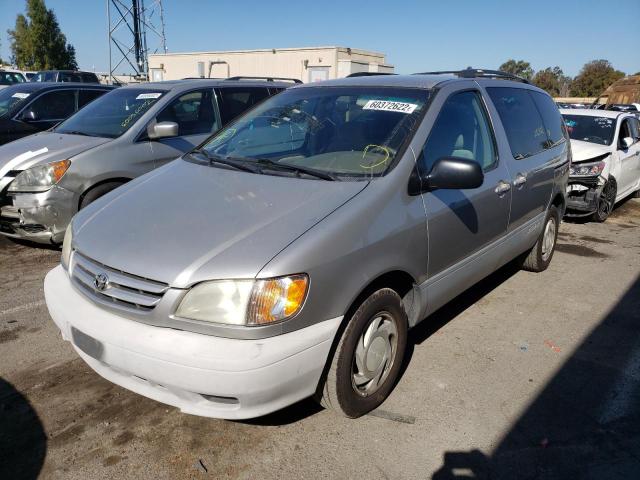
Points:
[(583, 194), (38, 217)]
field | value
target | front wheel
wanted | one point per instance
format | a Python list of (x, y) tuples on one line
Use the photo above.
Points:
[(606, 201), (368, 358), (539, 257)]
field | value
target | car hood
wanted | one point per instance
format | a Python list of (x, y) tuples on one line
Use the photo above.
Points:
[(185, 223), (43, 148), (584, 151)]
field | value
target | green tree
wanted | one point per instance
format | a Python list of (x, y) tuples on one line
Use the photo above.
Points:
[(37, 42), (594, 78), (517, 67), (553, 81)]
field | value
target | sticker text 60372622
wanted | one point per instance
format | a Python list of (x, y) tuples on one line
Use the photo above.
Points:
[(388, 106)]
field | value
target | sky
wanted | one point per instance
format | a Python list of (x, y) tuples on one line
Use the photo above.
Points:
[(415, 35)]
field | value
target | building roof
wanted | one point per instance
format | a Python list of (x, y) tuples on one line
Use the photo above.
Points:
[(205, 82), (263, 50)]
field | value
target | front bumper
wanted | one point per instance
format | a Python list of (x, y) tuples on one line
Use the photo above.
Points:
[(199, 374), (583, 194), (38, 217)]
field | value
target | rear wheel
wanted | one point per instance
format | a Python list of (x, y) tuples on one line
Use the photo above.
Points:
[(368, 358), (606, 201), (539, 257)]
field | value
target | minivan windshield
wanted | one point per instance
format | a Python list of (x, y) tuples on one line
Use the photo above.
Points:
[(592, 129), (112, 114), (338, 131), (10, 98)]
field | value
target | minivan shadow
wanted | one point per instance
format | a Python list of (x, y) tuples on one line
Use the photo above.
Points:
[(455, 307)]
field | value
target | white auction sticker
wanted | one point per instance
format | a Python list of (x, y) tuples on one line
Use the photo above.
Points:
[(145, 96), (20, 95), (390, 106)]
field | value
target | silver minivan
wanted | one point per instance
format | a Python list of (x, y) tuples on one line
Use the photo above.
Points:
[(46, 178), (289, 255)]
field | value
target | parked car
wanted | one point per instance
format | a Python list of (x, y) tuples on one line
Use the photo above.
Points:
[(28, 108), (65, 76), (29, 75), (46, 178), (289, 254), (10, 77), (606, 161)]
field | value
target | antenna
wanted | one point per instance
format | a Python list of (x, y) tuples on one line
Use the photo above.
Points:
[(135, 31)]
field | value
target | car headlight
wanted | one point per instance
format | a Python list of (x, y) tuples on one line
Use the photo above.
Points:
[(587, 169), (245, 302), (66, 247), (40, 178)]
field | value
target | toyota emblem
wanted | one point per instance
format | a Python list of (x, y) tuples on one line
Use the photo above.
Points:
[(101, 281)]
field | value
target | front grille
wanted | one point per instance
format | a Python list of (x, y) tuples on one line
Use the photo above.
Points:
[(122, 289)]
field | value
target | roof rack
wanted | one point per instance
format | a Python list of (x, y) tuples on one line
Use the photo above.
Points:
[(367, 74), (479, 73), (268, 79)]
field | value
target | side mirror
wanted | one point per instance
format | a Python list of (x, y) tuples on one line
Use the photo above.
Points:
[(29, 116), (448, 173), (626, 142), (162, 130)]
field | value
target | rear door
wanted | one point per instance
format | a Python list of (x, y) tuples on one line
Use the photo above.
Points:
[(234, 101), (533, 154), (50, 108), (462, 223)]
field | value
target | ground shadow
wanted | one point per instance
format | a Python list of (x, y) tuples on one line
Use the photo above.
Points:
[(23, 442), (586, 421)]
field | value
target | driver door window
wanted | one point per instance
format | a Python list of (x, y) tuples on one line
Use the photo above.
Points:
[(461, 130), (194, 113), (54, 106)]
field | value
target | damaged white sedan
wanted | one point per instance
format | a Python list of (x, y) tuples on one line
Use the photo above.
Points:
[(606, 161)]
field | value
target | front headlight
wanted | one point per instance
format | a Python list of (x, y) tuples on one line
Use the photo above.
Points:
[(66, 247), (245, 302), (587, 169), (40, 178)]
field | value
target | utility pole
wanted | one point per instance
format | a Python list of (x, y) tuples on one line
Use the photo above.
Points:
[(135, 31)]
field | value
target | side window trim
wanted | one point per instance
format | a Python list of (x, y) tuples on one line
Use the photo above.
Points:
[(488, 119)]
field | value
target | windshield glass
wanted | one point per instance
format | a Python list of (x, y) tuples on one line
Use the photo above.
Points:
[(342, 131), (598, 130), (10, 99), (112, 114), (11, 78)]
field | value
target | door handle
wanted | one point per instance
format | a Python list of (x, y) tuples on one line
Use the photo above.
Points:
[(520, 180), (502, 188)]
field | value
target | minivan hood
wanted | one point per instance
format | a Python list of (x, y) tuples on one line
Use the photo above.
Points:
[(185, 222), (43, 148), (583, 151)]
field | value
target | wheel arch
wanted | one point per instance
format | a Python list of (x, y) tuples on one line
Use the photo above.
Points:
[(120, 180)]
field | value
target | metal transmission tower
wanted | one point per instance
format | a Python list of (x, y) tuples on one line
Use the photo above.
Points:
[(136, 29)]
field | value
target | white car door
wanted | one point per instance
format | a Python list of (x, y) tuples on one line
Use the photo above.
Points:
[(634, 123), (628, 158)]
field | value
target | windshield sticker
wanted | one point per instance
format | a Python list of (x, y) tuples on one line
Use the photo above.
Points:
[(20, 95), (571, 123), (133, 115), (386, 106), (145, 96)]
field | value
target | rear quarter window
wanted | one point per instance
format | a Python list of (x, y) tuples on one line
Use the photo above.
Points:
[(521, 120), (550, 116)]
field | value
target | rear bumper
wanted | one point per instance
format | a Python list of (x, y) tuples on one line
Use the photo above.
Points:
[(38, 217), (199, 374)]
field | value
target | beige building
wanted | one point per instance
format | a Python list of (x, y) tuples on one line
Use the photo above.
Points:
[(307, 64)]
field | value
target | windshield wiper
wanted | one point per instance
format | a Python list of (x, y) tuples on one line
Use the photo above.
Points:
[(295, 168), (76, 132), (224, 161)]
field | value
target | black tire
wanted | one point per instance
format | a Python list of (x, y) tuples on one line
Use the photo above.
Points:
[(338, 390), (636, 194), (539, 257), (606, 201), (97, 192)]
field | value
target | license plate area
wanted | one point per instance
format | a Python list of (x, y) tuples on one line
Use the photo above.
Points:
[(87, 344)]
